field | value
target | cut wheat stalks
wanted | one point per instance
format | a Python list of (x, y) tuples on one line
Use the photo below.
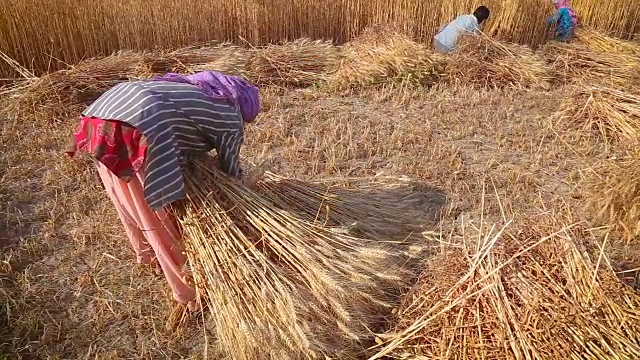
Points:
[(299, 63), (485, 62), (491, 294), (600, 41), (576, 62), (224, 57), (135, 25), (379, 208), (274, 281), (25, 73), (613, 196), (382, 55), (60, 94), (614, 114)]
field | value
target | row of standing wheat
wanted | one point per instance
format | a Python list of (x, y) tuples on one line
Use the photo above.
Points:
[(46, 35)]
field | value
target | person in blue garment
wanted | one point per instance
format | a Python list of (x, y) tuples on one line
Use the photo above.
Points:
[(564, 20)]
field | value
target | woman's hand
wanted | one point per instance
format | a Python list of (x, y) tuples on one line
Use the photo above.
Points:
[(248, 180)]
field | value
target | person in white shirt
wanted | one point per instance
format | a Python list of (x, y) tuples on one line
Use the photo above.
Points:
[(445, 41)]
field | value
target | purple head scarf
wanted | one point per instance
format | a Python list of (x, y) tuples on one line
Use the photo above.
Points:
[(220, 86)]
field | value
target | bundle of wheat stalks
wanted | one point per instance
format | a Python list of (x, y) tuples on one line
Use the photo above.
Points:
[(59, 94), (375, 208), (483, 61), (383, 55), (279, 287), (224, 57), (492, 294), (613, 196), (612, 112), (600, 41), (576, 62), (299, 63)]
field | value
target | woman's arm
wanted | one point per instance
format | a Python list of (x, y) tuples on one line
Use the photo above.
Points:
[(229, 153), (551, 21)]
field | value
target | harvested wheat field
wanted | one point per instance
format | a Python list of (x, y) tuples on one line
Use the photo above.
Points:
[(67, 31), (509, 173)]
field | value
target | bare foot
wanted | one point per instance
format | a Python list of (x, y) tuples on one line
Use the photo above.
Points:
[(157, 269)]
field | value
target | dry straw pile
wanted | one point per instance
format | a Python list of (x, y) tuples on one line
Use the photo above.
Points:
[(299, 63), (57, 94), (485, 62), (579, 62), (614, 114), (600, 41), (604, 73), (493, 294), (72, 29), (277, 286), (225, 57), (382, 54), (613, 194), (60, 94)]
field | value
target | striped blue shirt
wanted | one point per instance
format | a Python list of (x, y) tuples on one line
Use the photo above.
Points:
[(176, 120)]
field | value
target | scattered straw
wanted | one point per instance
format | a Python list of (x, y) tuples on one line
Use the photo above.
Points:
[(492, 294), (602, 42), (613, 113), (275, 283), (483, 61), (574, 62), (299, 63), (613, 196), (383, 55)]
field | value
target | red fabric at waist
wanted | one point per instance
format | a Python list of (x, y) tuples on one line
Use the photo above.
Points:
[(119, 146)]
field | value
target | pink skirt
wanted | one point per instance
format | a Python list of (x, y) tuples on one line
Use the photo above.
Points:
[(153, 234)]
